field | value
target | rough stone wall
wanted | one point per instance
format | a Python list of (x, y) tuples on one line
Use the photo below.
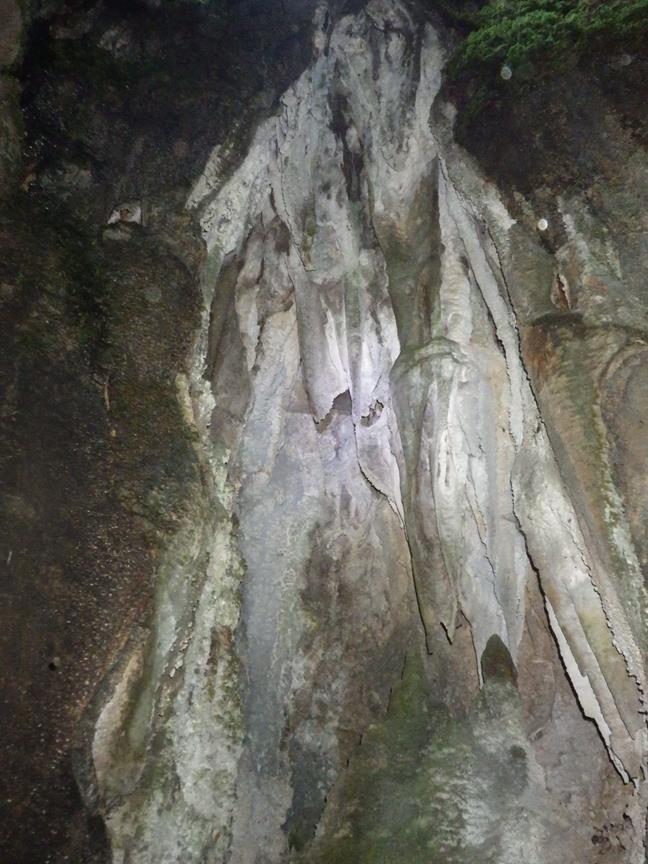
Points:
[(437, 645), (121, 105), (394, 608)]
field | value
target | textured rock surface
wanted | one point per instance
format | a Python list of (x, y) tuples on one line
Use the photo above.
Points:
[(392, 444), (97, 465), (398, 611), (11, 32)]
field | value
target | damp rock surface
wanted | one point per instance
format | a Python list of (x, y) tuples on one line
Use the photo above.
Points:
[(99, 469), (352, 417), (439, 592)]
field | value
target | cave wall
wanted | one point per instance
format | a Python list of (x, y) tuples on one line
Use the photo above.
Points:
[(104, 106), (380, 423), (359, 490)]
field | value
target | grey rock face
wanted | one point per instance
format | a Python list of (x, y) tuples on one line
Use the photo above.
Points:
[(410, 624)]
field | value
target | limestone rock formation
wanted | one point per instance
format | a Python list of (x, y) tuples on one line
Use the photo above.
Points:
[(402, 616)]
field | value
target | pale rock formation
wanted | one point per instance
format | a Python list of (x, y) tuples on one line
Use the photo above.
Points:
[(381, 451)]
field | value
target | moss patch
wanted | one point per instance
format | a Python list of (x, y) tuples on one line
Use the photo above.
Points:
[(425, 785), (517, 32)]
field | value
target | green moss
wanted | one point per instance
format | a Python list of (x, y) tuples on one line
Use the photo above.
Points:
[(415, 783), (387, 792), (519, 32)]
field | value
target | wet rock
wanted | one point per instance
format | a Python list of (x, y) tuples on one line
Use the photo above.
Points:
[(99, 469), (326, 522), (358, 258)]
